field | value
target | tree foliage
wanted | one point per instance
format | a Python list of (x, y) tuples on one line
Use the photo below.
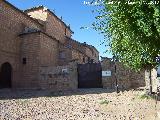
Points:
[(132, 29)]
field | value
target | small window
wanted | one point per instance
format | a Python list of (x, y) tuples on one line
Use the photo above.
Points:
[(24, 60), (65, 31), (84, 60), (89, 59), (62, 55)]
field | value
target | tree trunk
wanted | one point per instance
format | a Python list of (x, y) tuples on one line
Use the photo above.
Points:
[(150, 80)]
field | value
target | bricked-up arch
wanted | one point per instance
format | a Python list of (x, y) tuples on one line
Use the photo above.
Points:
[(5, 75)]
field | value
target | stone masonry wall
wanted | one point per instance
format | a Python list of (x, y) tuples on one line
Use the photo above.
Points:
[(137, 78), (67, 56), (108, 81), (91, 52), (123, 76), (76, 55), (59, 78), (126, 78), (154, 78)]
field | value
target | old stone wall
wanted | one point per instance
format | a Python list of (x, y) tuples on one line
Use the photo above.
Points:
[(59, 78), (137, 78), (123, 76), (90, 52), (95, 54), (126, 78), (76, 55), (12, 23), (154, 80), (108, 81), (65, 55)]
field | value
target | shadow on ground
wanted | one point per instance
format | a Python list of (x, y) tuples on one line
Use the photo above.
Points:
[(6, 94), (26, 94)]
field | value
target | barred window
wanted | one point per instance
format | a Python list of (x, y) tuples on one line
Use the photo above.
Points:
[(62, 55)]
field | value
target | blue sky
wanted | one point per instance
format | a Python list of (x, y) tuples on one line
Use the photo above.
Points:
[(75, 13)]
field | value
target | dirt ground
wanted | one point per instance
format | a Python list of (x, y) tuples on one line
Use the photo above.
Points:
[(84, 104)]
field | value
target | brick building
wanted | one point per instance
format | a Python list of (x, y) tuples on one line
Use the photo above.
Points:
[(32, 39)]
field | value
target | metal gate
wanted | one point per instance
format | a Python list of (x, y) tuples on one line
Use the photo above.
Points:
[(89, 75)]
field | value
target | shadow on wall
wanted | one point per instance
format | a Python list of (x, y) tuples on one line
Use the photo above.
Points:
[(27, 94)]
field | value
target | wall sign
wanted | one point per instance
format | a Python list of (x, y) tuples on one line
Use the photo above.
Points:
[(65, 70), (106, 73)]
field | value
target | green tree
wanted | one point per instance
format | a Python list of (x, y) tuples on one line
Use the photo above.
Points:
[(132, 29)]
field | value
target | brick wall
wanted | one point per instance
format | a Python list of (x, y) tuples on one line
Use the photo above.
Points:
[(30, 50), (13, 59), (56, 28), (49, 51), (91, 52), (12, 23), (81, 51), (39, 49)]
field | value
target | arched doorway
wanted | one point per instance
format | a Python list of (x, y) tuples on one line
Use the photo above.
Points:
[(6, 75)]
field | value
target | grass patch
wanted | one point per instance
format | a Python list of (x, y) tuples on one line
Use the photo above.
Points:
[(104, 102), (22, 101), (144, 96)]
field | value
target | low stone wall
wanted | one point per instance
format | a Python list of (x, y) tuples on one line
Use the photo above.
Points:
[(154, 80), (59, 78), (125, 77), (108, 81)]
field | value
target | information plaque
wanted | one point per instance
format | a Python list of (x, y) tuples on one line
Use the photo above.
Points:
[(106, 73)]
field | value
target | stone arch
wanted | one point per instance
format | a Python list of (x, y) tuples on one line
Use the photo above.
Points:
[(5, 75)]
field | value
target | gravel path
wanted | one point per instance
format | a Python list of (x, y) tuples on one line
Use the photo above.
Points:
[(85, 104)]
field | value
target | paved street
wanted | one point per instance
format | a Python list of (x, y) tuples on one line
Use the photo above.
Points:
[(84, 104)]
